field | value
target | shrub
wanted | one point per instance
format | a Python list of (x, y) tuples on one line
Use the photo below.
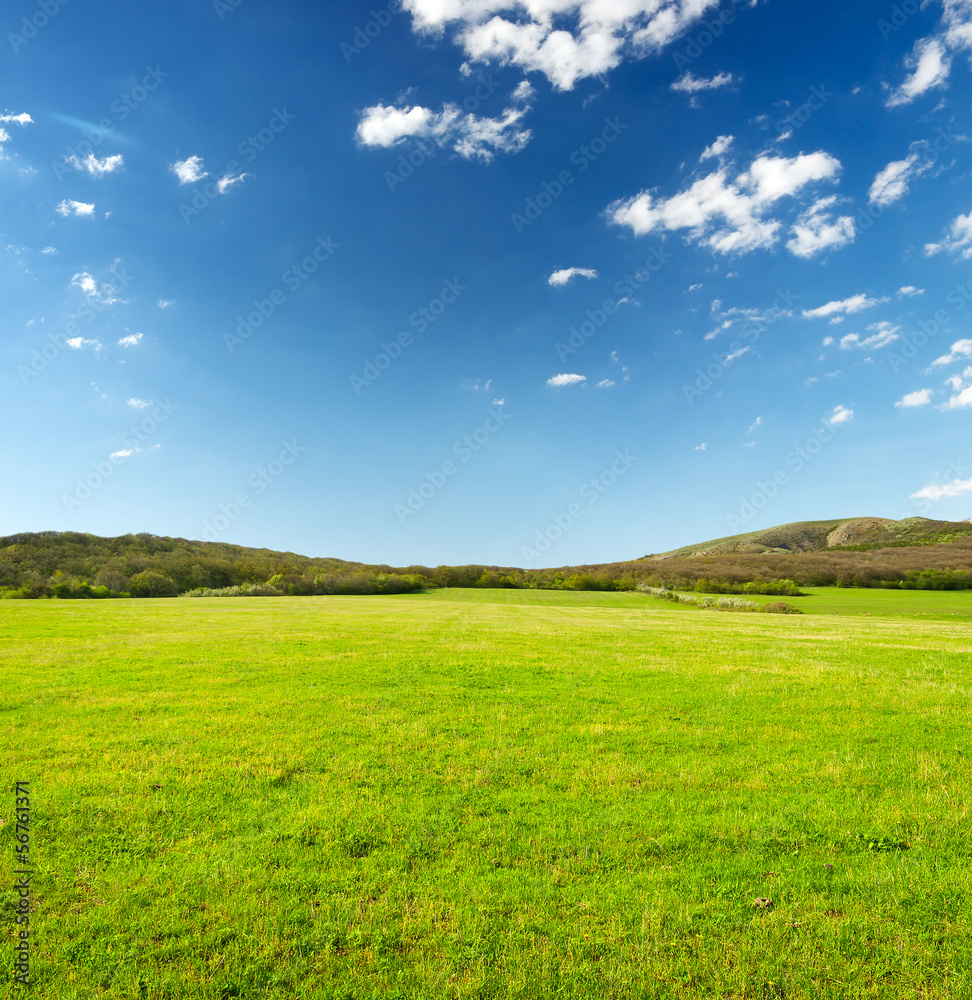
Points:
[(150, 583), (780, 608)]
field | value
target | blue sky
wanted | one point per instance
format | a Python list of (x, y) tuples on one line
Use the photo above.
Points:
[(455, 281)]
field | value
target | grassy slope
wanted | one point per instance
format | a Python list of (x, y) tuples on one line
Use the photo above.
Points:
[(473, 794)]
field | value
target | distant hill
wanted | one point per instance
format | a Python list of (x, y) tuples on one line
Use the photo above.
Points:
[(859, 533)]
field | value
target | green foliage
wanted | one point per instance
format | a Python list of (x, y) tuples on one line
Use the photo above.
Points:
[(149, 583)]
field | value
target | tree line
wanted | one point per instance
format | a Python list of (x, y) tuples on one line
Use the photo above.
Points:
[(76, 565)]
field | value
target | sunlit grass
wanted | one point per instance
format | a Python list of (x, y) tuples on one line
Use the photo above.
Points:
[(480, 794)]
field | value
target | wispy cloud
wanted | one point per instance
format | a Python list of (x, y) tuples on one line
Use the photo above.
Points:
[(958, 237), (96, 167), (960, 349), (854, 304), (563, 276), (139, 404), (132, 340), (689, 84)]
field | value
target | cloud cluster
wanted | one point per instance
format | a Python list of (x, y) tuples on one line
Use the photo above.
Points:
[(930, 61), (732, 214), (96, 167), (882, 334), (463, 131), (566, 40), (77, 208)]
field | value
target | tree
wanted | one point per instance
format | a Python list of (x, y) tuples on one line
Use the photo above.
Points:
[(149, 583)]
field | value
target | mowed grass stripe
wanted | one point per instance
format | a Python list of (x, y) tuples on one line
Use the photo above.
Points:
[(445, 795)]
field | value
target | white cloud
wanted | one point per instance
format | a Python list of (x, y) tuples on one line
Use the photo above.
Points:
[(728, 215), (940, 491), (605, 383), (817, 230), (78, 208), (468, 135), (76, 343), (689, 84), (131, 340), (841, 415), (827, 341), (920, 397), (736, 355), (961, 385), (930, 67), (139, 404), (563, 276), (701, 447), (882, 334), (560, 380), (855, 304), (959, 237), (189, 170), (227, 181), (22, 119), (121, 454), (165, 303), (566, 40), (758, 422), (96, 167), (891, 184), (960, 349), (104, 295), (498, 402), (713, 152), (49, 250), (910, 290)]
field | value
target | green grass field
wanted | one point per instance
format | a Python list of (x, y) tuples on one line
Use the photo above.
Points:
[(492, 794)]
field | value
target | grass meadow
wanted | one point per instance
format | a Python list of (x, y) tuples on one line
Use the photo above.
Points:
[(471, 794)]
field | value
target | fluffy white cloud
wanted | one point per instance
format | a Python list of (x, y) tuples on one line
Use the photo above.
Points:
[(939, 491), (959, 237), (564, 275), (910, 290), (566, 40), (960, 349), (560, 380), (728, 215), (22, 119), (77, 208), (466, 133), (930, 60), (139, 404), (961, 385), (840, 415), (131, 340), (189, 170), (817, 230), (689, 84), (103, 295), (96, 167), (855, 304), (76, 343), (929, 67), (882, 334), (720, 146), (920, 397), (891, 184)]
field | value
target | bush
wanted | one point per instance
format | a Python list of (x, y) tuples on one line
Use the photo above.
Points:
[(149, 583), (781, 608)]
